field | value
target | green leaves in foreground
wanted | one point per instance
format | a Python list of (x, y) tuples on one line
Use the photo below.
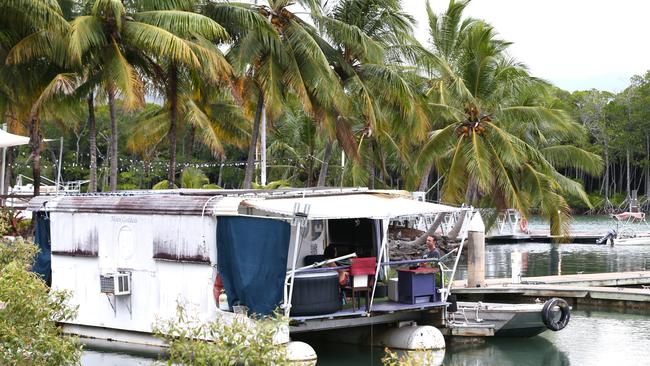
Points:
[(227, 340), (29, 334)]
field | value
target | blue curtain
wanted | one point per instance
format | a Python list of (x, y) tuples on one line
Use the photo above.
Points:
[(252, 260), (42, 262)]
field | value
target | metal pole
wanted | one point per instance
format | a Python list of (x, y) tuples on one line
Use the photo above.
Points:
[(58, 174), (460, 251), (382, 250), (300, 216), (296, 244), (4, 162), (263, 148)]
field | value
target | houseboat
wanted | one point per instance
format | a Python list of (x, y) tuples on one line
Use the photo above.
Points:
[(129, 258)]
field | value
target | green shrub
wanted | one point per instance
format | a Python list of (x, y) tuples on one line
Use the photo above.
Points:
[(11, 223), (220, 342), (29, 334)]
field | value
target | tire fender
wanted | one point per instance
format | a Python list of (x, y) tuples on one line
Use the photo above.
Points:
[(547, 314)]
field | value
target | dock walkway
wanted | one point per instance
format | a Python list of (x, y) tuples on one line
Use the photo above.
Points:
[(544, 236), (593, 288)]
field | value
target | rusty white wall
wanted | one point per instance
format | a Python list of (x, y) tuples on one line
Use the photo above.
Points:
[(77, 236), (127, 242)]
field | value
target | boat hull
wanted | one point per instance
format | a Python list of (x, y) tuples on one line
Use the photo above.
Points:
[(639, 240), (505, 320)]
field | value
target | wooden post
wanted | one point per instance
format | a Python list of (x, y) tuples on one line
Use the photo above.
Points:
[(476, 252)]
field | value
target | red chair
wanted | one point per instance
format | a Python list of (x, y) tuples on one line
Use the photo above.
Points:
[(362, 273)]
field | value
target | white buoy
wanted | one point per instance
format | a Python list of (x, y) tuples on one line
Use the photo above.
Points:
[(412, 337), (300, 353)]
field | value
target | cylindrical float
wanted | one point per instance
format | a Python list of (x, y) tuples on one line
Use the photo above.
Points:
[(411, 337), (300, 353)]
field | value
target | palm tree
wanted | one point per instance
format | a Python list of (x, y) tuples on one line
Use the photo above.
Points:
[(116, 40), (200, 33), (32, 74), (274, 53), (209, 112), (500, 142), (371, 40)]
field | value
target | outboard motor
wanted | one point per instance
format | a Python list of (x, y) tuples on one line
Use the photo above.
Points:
[(611, 234)]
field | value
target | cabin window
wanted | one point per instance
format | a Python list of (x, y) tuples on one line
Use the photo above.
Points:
[(352, 236)]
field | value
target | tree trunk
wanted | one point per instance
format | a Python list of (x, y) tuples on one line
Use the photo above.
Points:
[(322, 175), (371, 165), (35, 143), (647, 169), (92, 140), (606, 180), (190, 143), (424, 182), (112, 182), (471, 195), (627, 168), (418, 243), (220, 178), (310, 165), (172, 98), (250, 162)]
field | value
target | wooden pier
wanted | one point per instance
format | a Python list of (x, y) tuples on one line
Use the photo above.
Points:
[(605, 289)]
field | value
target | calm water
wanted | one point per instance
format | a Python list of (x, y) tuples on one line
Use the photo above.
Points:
[(591, 338)]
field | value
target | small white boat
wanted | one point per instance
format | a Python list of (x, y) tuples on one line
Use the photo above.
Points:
[(631, 228), (508, 320)]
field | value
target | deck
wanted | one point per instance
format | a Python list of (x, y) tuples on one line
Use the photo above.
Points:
[(544, 236), (382, 312), (596, 288)]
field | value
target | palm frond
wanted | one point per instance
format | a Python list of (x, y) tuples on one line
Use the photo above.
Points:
[(161, 42), (121, 74), (61, 84), (87, 32), (42, 44), (183, 23), (567, 156)]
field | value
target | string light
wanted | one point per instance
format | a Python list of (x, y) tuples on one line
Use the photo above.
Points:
[(129, 164)]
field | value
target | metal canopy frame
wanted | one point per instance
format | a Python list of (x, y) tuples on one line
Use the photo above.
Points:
[(301, 217)]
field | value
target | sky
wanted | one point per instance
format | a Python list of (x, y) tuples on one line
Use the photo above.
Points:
[(575, 44)]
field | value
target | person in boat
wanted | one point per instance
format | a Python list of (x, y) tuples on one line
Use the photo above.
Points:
[(330, 253), (432, 251)]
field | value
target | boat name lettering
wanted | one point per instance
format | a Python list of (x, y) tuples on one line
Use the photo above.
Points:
[(126, 220)]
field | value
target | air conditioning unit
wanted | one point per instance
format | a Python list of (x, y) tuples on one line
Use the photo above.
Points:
[(117, 284)]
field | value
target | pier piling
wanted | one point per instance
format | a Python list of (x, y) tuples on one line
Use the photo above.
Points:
[(476, 252)]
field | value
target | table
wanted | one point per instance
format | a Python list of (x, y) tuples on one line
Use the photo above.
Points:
[(416, 283)]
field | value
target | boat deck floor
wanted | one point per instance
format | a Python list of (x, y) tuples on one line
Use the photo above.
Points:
[(377, 308)]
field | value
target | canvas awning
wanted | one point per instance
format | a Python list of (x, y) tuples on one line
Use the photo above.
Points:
[(9, 139), (347, 206)]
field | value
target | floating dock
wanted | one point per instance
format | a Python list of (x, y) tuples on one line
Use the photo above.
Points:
[(544, 236), (618, 289)]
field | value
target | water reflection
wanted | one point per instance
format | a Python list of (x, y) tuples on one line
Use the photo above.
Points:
[(535, 351), (543, 259), (591, 338)]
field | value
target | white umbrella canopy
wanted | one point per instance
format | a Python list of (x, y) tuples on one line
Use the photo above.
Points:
[(9, 139)]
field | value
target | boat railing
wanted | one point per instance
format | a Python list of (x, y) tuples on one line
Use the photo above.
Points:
[(630, 224)]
